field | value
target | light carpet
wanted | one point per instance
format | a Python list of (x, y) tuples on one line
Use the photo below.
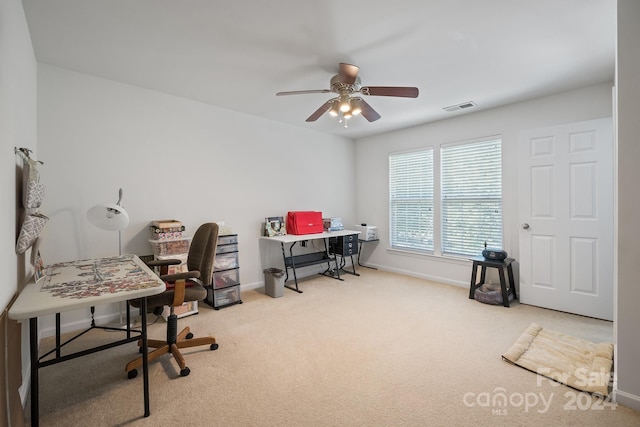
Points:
[(578, 363), (381, 349)]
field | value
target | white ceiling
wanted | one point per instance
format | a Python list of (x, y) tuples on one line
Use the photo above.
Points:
[(238, 54)]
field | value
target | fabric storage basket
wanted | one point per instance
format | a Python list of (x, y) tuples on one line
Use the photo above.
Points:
[(490, 294), (170, 247)]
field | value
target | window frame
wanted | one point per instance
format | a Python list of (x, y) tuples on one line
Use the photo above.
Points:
[(397, 244), (437, 191), (492, 241)]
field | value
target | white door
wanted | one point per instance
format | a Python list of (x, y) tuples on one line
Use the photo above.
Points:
[(566, 218)]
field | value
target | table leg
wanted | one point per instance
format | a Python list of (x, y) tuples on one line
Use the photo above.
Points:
[(335, 259), (503, 287), (284, 260), (145, 356), (359, 251), (128, 319), (483, 273), (33, 347), (354, 266), (511, 281), (474, 275), (57, 334), (293, 268)]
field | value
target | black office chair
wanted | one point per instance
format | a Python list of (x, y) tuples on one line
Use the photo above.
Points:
[(182, 287)]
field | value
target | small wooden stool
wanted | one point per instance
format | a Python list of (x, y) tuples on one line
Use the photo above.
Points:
[(500, 265)]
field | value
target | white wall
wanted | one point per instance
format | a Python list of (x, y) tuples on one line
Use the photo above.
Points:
[(628, 253), (176, 158), (17, 129), (372, 165)]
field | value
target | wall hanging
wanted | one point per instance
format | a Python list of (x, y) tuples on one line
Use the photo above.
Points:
[(32, 196)]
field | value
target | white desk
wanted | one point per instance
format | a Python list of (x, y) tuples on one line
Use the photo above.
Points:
[(79, 284), (304, 260)]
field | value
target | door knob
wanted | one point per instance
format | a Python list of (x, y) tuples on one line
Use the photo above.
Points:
[(525, 226)]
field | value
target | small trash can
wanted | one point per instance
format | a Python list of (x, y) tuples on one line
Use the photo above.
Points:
[(274, 282)]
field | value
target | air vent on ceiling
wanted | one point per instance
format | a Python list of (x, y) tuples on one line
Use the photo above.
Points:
[(462, 106)]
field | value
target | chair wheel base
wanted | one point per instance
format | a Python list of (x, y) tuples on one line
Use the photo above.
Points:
[(184, 372), (214, 346), (132, 374)]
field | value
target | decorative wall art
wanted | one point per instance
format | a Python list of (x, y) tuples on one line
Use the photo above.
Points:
[(32, 196)]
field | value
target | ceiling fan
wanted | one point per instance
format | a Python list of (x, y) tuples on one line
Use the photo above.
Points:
[(346, 84)]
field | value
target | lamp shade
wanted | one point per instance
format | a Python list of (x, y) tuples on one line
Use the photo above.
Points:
[(108, 216)]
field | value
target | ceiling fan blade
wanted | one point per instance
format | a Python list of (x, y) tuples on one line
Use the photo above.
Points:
[(406, 92), (320, 111), (368, 112), (300, 92), (348, 73)]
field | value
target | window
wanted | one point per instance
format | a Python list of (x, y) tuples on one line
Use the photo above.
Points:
[(469, 206), (411, 200), (471, 192)]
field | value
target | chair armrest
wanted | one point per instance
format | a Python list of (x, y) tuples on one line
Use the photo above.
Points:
[(180, 276), (179, 292), (162, 262)]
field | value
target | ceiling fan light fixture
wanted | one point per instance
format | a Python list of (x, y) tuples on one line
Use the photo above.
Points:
[(356, 106), (346, 85), (345, 104), (335, 108)]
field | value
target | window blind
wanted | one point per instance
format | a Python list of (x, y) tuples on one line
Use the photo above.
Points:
[(471, 185), (411, 200)]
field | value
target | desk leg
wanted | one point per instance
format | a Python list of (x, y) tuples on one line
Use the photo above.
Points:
[(353, 265), (359, 251), (335, 259), (145, 356), (343, 265), (293, 268), (33, 347), (284, 260)]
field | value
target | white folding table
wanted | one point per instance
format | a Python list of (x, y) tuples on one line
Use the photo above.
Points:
[(83, 284)]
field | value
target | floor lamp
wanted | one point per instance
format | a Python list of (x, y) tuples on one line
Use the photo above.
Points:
[(111, 217)]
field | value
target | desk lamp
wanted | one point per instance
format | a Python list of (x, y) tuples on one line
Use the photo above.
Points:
[(111, 217)]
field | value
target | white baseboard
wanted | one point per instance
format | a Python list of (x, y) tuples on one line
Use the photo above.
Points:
[(251, 286), (628, 400), (422, 276)]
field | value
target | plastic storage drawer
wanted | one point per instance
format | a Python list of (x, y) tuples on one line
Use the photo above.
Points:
[(226, 278), (227, 239), (222, 297), (224, 249), (226, 261)]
